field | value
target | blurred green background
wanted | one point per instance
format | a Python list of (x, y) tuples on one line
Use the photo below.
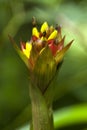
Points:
[(70, 104)]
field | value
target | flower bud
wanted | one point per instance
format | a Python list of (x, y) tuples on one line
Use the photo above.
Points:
[(43, 53)]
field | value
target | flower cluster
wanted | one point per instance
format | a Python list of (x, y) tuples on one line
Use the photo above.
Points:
[(43, 53), (47, 36)]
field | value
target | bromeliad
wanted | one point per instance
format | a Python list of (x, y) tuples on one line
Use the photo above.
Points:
[(42, 54), (47, 36)]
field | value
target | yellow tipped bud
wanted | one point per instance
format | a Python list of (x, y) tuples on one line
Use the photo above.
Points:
[(27, 50), (44, 27), (53, 35), (26, 53), (35, 32), (28, 46)]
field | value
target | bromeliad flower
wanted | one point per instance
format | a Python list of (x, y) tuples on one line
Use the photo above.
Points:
[(43, 53)]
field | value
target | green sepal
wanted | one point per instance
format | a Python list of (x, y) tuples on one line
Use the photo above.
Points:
[(44, 70), (59, 56), (23, 57)]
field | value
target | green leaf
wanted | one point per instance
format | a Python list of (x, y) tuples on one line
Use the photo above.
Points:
[(23, 57), (70, 115), (51, 90)]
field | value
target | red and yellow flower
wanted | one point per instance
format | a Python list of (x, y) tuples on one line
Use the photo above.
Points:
[(43, 53)]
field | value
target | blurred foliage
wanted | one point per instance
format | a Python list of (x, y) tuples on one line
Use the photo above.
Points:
[(15, 19)]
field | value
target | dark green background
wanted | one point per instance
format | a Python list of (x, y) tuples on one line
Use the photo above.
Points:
[(16, 20)]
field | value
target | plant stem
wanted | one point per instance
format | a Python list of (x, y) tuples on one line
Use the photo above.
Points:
[(41, 114)]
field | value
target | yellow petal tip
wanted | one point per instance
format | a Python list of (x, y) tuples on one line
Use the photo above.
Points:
[(27, 50), (53, 35), (35, 32), (44, 27)]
